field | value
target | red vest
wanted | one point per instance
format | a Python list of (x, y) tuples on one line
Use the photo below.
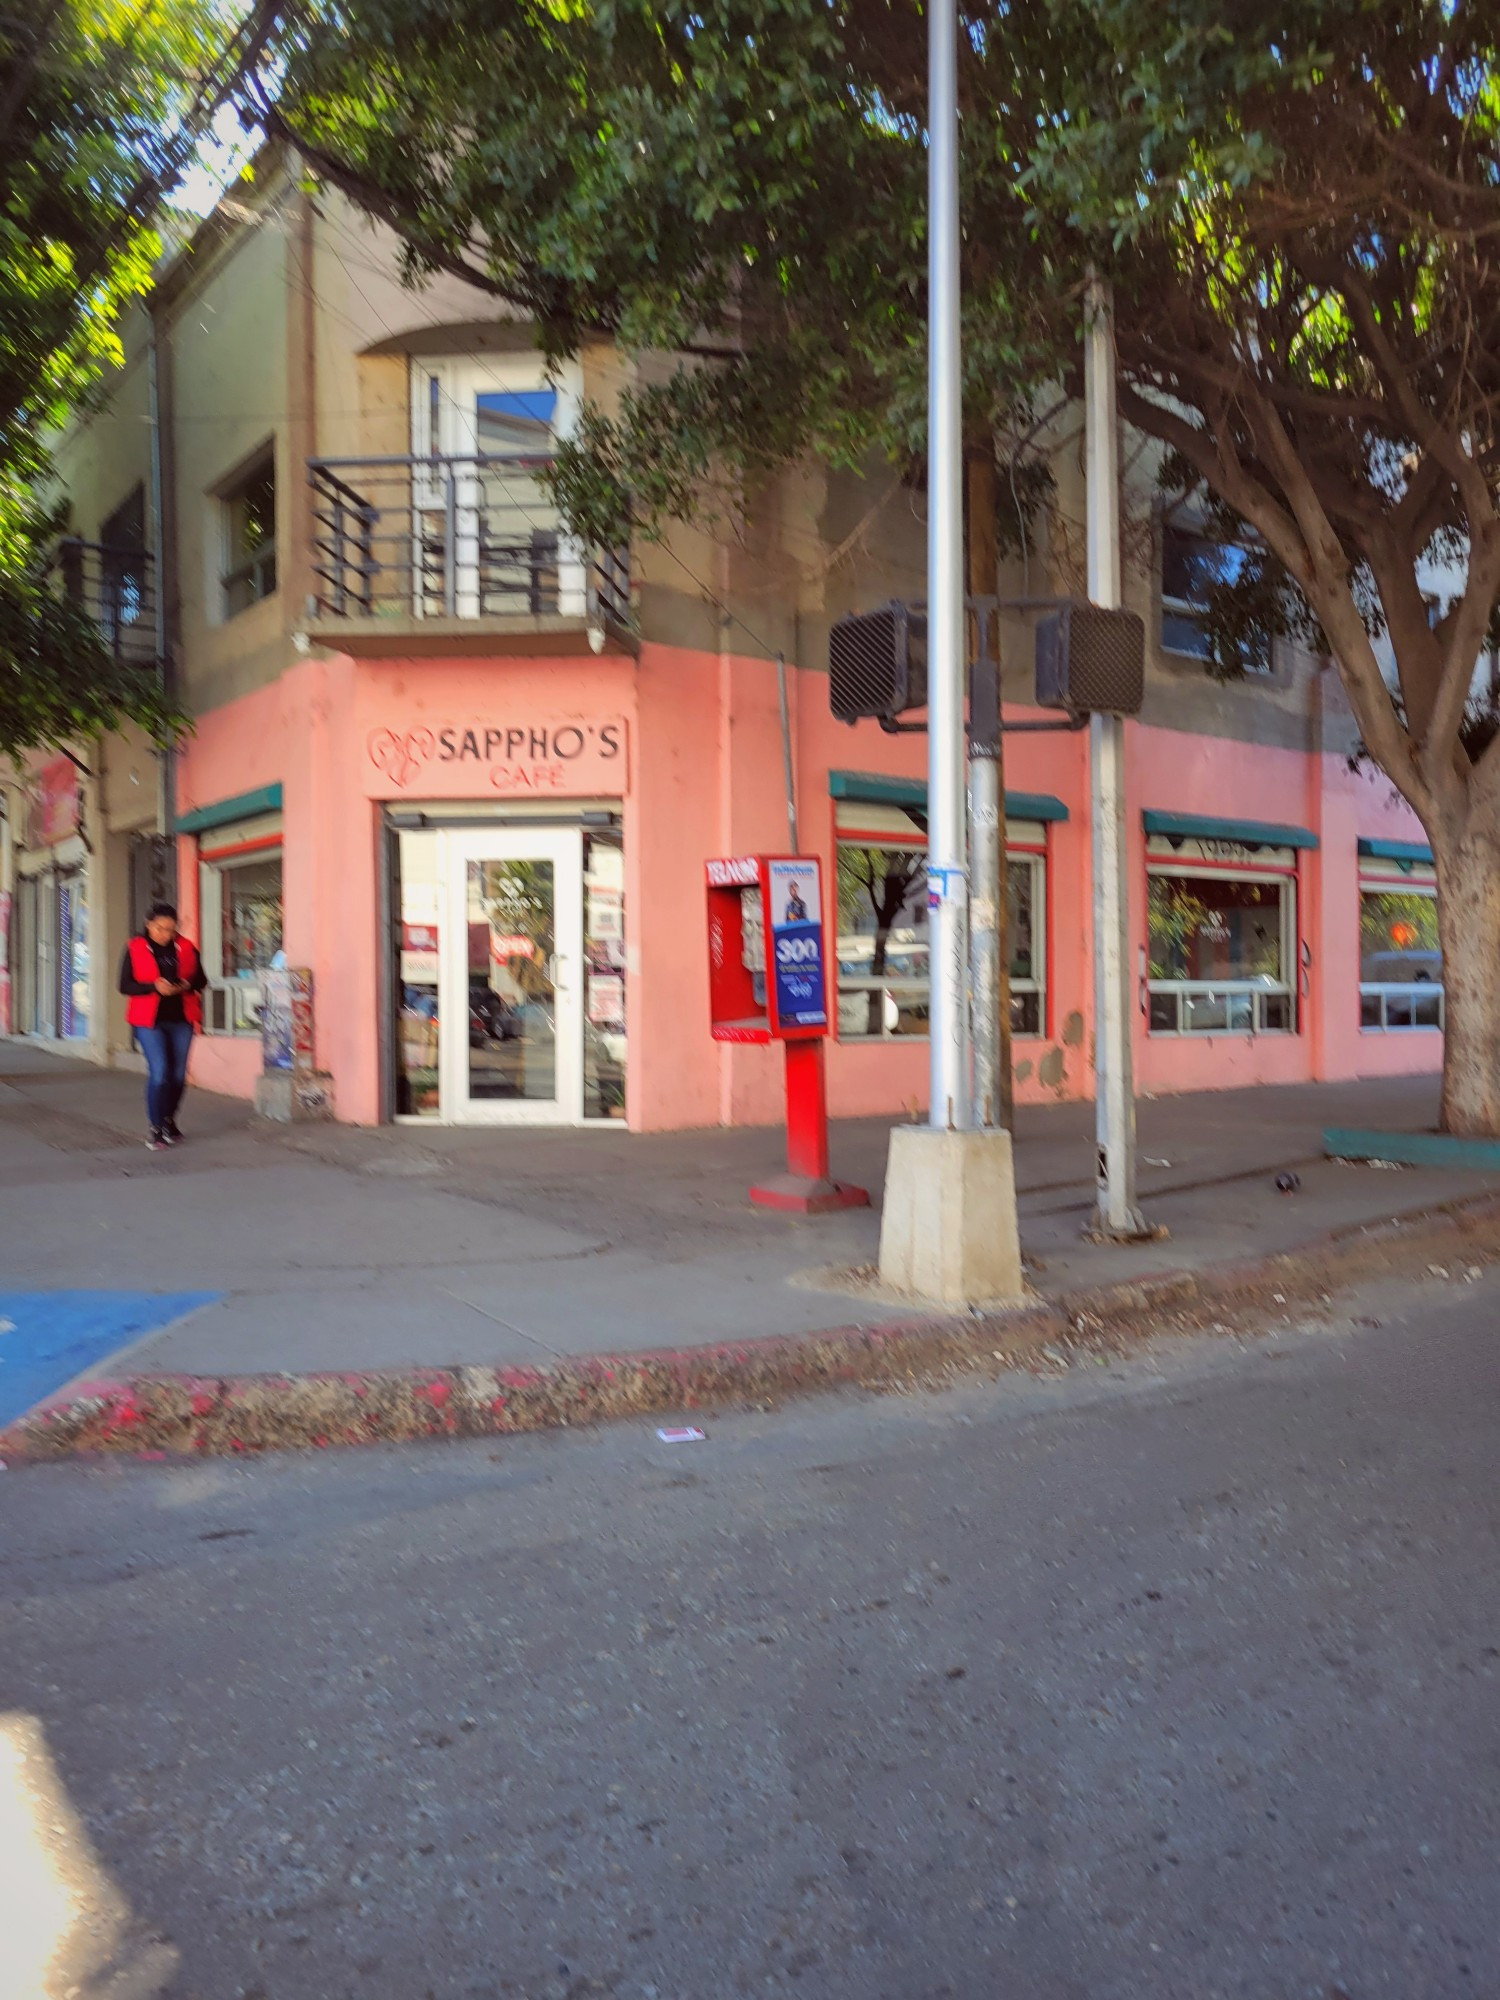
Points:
[(140, 1008)]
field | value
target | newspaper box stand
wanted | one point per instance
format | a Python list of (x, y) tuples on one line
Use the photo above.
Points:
[(767, 982)]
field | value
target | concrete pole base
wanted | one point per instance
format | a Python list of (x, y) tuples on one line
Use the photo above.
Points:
[(290, 1097), (807, 1194), (948, 1230)]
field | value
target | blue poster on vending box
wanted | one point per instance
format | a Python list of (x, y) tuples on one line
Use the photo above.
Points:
[(795, 921)]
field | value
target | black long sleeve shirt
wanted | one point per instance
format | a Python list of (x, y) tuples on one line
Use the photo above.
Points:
[(169, 1008)]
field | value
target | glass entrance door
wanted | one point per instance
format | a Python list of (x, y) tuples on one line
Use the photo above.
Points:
[(511, 978)]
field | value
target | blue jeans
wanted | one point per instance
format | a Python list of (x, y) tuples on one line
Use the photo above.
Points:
[(166, 1052)]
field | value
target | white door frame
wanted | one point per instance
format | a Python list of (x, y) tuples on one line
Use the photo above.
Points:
[(563, 847)]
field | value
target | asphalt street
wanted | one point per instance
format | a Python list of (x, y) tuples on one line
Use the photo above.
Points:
[(1175, 1678)]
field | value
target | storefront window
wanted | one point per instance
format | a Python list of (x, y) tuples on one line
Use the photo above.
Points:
[(604, 976), (882, 940), (52, 957), (1221, 952), (252, 917), (241, 896), (1400, 958), (73, 954)]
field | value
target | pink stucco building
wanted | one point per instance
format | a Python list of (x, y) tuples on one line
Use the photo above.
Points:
[(468, 772)]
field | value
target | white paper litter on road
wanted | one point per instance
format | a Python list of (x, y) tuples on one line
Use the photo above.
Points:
[(686, 1435)]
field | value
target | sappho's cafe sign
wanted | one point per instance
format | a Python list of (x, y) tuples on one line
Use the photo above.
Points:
[(521, 758)]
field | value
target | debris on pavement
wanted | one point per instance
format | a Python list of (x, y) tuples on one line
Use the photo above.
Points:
[(1288, 1183), (684, 1434)]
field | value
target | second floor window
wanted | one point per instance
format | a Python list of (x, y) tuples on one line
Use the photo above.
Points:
[(1191, 566), (249, 527), (123, 606)]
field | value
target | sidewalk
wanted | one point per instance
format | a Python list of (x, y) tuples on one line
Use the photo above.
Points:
[(330, 1248)]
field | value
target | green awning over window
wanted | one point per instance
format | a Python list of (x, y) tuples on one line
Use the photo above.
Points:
[(247, 805), (873, 789), (1395, 850), (1248, 832)]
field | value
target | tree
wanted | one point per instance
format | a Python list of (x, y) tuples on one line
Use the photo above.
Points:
[(1300, 210), (102, 110), (1297, 207)]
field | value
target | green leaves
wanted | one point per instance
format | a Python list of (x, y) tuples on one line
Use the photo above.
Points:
[(1297, 208), (105, 103)]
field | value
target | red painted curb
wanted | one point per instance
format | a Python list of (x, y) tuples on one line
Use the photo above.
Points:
[(197, 1414)]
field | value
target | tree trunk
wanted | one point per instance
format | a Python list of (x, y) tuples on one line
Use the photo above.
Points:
[(982, 535), (1468, 875)]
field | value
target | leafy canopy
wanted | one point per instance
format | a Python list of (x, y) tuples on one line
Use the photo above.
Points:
[(103, 104), (1296, 205), (725, 182)]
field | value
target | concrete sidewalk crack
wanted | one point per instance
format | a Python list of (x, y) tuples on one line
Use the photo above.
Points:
[(553, 1353)]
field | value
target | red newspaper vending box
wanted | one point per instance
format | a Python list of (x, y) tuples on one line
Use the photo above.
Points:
[(768, 981)]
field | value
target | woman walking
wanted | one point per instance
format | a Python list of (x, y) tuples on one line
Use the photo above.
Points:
[(161, 976)]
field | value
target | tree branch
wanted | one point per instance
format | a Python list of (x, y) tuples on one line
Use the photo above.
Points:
[(1339, 615), (1425, 428)]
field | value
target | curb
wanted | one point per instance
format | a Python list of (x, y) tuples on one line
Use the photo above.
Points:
[(174, 1415)]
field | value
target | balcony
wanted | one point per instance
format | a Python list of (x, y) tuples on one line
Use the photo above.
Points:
[(114, 587), (459, 554)]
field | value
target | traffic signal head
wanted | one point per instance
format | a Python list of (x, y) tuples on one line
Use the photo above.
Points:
[(1091, 661), (877, 663)]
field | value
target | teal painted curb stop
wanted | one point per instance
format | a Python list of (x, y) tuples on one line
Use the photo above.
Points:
[(1412, 1149)]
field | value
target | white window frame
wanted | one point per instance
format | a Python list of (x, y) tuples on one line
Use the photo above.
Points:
[(1389, 995), (230, 1006), (461, 377), (460, 380), (1193, 611), (1286, 878), (1029, 850)]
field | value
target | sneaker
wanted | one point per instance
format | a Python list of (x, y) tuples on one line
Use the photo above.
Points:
[(156, 1141), (170, 1133)]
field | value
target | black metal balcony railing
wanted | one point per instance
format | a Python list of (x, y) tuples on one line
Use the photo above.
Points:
[(115, 588), (453, 538)]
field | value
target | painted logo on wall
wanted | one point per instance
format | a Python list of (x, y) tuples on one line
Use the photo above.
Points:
[(563, 757)]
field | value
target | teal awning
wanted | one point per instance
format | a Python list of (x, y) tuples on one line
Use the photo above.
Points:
[(1248, 832), (246, 805), (871, 788), (1395, 850)]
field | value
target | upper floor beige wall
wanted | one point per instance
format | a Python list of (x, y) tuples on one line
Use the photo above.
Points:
[(103, 460), (285, 321), (227, 394)]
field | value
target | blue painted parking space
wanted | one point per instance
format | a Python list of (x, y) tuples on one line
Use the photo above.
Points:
[(46, 1338)]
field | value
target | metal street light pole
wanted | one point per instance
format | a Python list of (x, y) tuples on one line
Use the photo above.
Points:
[(1115, 1213), (947, 871), (948, 1225)]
